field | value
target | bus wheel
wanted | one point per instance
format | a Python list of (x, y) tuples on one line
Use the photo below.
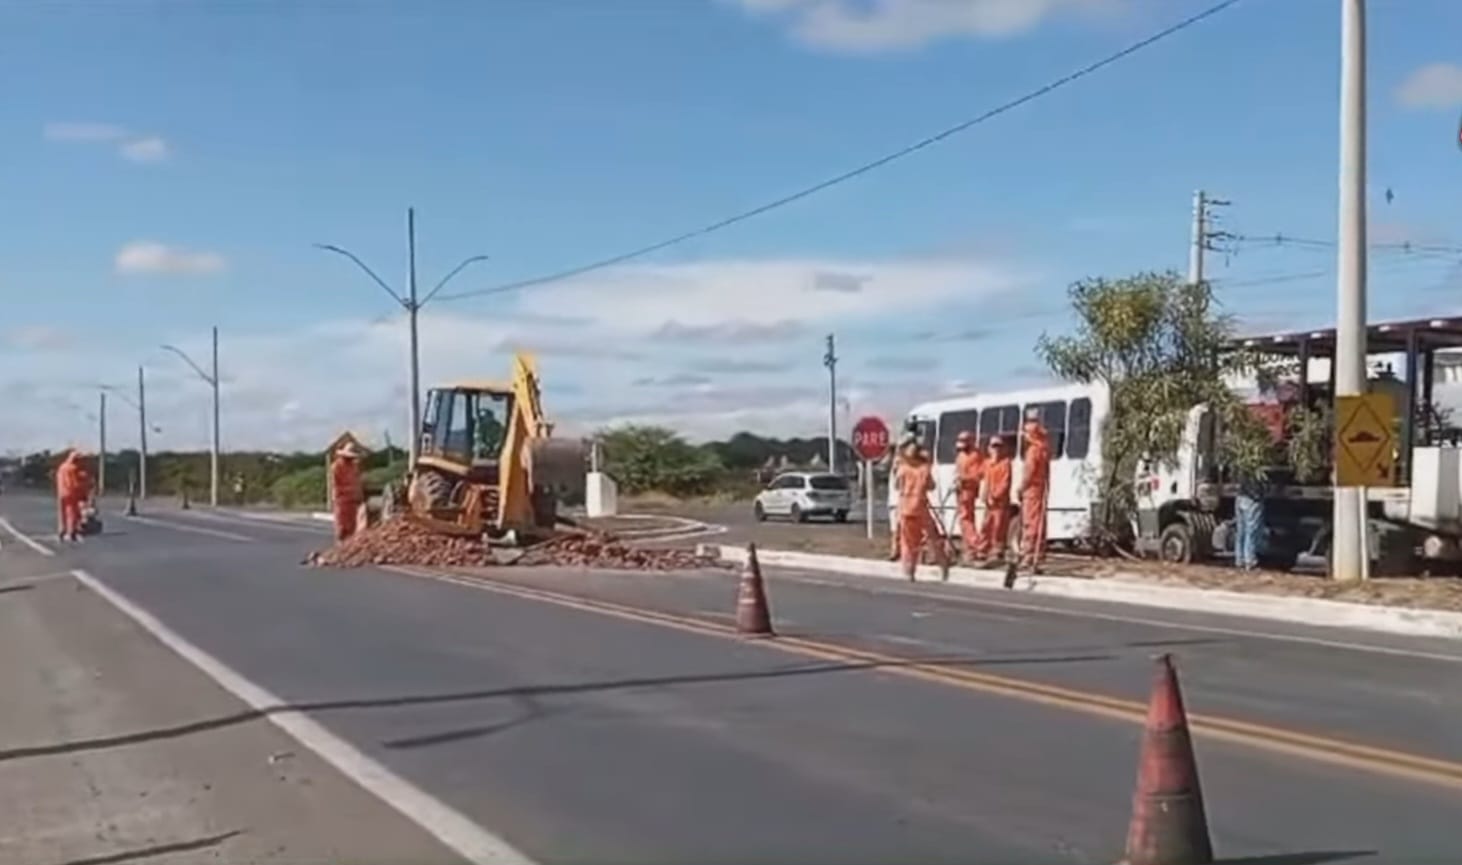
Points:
[(1175, 544)]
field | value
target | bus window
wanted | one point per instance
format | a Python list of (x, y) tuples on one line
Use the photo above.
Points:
[(1053, 418), (951, 424), (1001, 420), (1078, 429)]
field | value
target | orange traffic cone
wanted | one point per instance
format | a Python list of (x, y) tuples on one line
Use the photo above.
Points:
[(1168, 826), (753, 618)]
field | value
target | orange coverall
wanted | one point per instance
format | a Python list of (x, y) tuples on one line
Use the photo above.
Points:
[(1035, 488), (346, 485), (916, 524), (969, 468), (997, 506), (70, 495)]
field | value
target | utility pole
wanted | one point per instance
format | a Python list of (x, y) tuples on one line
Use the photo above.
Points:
[(413, 306), (101, 459), (1203, 234), (830, 360), (1348, 547), (141, 436)]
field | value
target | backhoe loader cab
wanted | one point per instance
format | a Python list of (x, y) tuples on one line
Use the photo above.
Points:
[(464, 428)]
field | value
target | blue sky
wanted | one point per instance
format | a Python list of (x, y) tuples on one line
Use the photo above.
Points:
[(168, 164)]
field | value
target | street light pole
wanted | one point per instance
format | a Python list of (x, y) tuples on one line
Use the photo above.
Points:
[(413, 307), (213, 467), (101, 459), (141, 436), (212, 381), (1348, 540)]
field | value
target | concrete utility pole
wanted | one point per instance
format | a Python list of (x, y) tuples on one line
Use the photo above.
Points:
[(830, 360), (1348, 547), (413, 306), (212, 381), (1200, 238), (1203, 234), (101, 434), (141, 436)]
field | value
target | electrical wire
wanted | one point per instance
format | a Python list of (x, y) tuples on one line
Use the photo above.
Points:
[(1289, 240), (859, 171)]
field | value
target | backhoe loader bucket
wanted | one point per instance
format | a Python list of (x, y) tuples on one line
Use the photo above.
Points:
[(558, 465)]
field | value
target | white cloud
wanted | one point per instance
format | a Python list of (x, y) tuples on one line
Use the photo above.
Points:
[(149, 149), (1433, 86), (133, 146), (145, 256), (297, 388), (882, 25), (83, 132)]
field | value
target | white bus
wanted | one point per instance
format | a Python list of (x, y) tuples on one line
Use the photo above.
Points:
[(1073, 414)]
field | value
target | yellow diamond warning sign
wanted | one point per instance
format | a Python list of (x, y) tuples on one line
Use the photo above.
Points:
[(1365, 442)]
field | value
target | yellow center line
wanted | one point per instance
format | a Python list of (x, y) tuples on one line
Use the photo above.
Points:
[(1316, 748)]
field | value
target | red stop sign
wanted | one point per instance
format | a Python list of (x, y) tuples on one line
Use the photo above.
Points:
[(870, 438)]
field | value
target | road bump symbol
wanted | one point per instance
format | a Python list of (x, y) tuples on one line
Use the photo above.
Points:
[(1365, 442)]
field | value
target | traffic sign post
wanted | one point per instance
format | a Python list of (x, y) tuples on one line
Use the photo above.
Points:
[(870, 440), (1365, 440)]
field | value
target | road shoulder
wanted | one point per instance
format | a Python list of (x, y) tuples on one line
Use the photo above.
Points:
[(112, 746)]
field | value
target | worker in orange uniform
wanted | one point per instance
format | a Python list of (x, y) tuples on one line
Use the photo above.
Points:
[(1035, 489), (346, 491), (997, 502), (71, 494), (969, 468), (916, 521)]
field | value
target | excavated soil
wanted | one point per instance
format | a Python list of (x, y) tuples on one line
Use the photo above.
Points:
[(400, 542)]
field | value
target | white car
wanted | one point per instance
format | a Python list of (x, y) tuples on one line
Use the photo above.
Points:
[(799, 495)]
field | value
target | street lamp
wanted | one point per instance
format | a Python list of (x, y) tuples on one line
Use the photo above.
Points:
[(412, 305), (142, 427), (212, 380)]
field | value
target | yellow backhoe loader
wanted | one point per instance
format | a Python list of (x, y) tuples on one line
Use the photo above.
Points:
[(487, 464)]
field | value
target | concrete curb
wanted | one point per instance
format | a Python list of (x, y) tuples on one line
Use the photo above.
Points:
[(1315, 612)]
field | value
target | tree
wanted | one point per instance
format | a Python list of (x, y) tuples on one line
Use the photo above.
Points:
[(643, 458), (1160, 347)]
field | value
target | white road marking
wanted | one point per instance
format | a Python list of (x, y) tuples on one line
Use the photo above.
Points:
[(217, 533), (26, 539), (447, 825), (255, 522), (1134, 620)]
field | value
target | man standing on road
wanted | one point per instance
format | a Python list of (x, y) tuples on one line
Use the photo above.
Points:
[(916, 522), (969, 468), (71, 494), (997, 502), (345, 490), (1035, 488)]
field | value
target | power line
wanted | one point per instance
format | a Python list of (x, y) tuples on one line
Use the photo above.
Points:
[(855, 172), (1280, 239)]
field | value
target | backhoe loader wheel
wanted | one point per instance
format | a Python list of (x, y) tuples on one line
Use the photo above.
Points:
[(430, 490)]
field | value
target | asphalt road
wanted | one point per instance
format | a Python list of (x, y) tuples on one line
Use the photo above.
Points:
[(569, 716)]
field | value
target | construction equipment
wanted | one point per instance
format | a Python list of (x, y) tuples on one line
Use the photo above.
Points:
[(487, 463)]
